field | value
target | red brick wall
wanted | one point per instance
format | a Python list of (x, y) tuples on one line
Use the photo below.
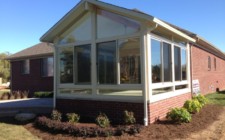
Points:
[(209, 80), (89, 109), (159, 109), (33, 81)]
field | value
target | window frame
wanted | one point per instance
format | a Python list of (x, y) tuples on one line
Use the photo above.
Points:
[(215, 63), (42, 66), (173, 84), (23, 67), (209, 63)]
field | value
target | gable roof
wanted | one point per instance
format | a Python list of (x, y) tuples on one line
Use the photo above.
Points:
[(85, 5), (38, 50)]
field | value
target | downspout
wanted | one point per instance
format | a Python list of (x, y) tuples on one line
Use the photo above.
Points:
[(146, 91)]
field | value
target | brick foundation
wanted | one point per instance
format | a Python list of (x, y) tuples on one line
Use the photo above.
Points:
[(159, 109), (89, 109)]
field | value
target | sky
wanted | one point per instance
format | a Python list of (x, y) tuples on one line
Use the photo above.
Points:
[(23, 22)]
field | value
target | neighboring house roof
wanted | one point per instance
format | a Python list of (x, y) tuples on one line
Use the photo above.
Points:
[(38, 50)]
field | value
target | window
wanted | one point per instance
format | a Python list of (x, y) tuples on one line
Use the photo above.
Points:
[(129, 59), (180, 64), (156, 61), (66, 65), (47, 67), (184, 64), (80, 31), (177, 63), (209, 63), (25, 69), (82, 59), (169, 73), (110, 24), (214, 63), (161, 62), (167, 69), (106, 59)]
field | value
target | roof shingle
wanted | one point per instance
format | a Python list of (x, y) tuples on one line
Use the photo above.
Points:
[(40, 49)]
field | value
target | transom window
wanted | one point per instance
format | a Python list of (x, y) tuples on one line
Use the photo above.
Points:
[(110, 24), (80, 31)]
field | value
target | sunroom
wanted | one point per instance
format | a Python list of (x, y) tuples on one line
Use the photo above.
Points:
[(108, 53)]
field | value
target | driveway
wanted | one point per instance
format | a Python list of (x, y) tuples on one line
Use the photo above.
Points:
[(33, 105), (29, 102)]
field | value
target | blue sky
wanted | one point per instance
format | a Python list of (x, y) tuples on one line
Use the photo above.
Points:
[(23, 22)]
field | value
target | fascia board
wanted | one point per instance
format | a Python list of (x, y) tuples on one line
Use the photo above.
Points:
[(163, 24)]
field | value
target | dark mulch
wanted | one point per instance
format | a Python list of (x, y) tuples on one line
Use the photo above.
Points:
[(160, 130)]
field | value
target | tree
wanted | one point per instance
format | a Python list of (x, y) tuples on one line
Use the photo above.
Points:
[(4, 67)]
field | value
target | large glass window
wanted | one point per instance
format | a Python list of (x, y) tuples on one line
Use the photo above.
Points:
[(161, 61), (80, 31), (177, 63), (110, 24), (82, 59), (156, 61), (106, 59), (66, 65), (129, 59), (180, 64), (184, 64), (167, 69), (47, 67), (25, 68)]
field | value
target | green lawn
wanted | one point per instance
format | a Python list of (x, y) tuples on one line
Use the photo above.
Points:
[(216, 98), (15, 132)]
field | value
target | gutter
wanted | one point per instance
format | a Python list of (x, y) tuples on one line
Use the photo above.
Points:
[(146, 91)]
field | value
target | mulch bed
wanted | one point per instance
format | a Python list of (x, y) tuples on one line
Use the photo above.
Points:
[(163, 129)]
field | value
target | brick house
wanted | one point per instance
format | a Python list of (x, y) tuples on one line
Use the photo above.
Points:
[(32, 69), (110, 59)]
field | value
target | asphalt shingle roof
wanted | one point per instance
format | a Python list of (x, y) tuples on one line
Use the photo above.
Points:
[(37, 50)]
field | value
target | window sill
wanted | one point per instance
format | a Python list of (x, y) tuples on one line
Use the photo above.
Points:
[(163, 96)]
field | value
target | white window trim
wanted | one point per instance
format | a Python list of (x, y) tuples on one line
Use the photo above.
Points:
[(173, 93)]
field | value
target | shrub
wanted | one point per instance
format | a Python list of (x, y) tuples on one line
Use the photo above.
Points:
[(56, 115), (192, 106), (102, 120), (179, 115), (67, 128), (73, 117), (201, 99), (43, 94), (129, 117)]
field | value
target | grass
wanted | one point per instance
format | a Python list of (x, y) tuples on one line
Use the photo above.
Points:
[(15, 132), (4, 90), (217, 98)]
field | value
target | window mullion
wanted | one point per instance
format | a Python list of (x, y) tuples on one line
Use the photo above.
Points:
[(162, 63)]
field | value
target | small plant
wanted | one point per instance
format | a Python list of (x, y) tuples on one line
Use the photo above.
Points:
[(201, 99), (43, 94), (192, 106), (56, 115), (102, 120), (24, 94), (129, 117), (73, 117), (179, 115)]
